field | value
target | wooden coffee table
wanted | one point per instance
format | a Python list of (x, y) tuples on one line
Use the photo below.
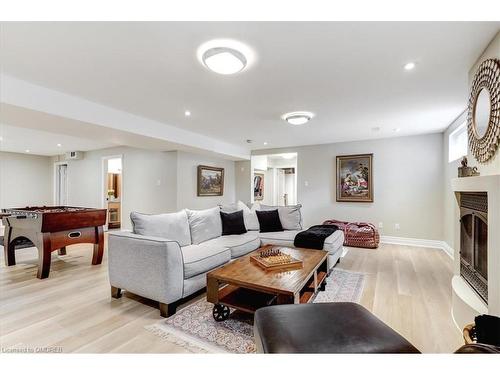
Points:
[(245, 286)]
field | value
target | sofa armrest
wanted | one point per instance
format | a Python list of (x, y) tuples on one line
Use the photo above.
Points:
[(151, 267)]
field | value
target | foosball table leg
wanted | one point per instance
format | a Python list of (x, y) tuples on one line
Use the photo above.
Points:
[(9, 248), (98, 246), (44, 256)]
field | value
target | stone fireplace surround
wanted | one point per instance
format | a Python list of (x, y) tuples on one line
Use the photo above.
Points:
[(466, 304)]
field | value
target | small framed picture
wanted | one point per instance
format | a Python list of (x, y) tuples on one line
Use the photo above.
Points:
[(258, 186), (355, 178), (210, 181)]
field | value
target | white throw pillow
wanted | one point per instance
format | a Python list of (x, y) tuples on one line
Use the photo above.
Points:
[(290, 216), (229, 207), (249, 215), (174, 226), (204, 224)]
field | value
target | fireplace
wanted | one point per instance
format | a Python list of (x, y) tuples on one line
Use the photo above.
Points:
[(474, 241)]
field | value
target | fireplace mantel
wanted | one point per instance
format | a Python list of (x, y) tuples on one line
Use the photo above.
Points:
[(466, 304)]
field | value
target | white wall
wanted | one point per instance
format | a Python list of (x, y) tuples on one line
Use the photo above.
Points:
[(25, 180), (187, 172), (450, 170), (149, 180), (243, 181), (408, 184)]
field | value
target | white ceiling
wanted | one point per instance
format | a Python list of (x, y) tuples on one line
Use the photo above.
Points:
[(349, 74), (38, 142)]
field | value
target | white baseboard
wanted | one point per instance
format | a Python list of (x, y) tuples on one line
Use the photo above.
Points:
[(435, 244), (448, 250)]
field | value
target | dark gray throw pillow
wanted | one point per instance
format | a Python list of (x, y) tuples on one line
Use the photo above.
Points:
[(269, 221), (232, 223)]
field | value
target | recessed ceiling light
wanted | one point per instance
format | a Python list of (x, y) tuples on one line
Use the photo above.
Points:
[(297, 118), (1, 139), (410, 66), (225, 56), (265, 143), (27, 150), (396, 130), (59, 145), (187, 113)]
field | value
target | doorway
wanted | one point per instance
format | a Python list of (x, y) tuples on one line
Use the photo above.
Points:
[(274, 179), (112, 190), (61, 184)]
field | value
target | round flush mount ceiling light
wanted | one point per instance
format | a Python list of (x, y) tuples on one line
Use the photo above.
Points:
[(225, 56), (297, 118), (410, 66)]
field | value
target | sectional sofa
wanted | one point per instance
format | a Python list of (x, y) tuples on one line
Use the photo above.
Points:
[(166, 257)]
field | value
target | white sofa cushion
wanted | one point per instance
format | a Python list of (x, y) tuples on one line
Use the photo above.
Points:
[(333, 243), (238, 244), (174, 226), (204, 257), (229, 207), (290, 216), (204, 224)]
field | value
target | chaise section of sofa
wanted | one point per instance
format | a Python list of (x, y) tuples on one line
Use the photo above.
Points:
[(333, 243)]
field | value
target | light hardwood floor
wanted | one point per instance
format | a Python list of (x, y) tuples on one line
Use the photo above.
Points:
[(407, 287)]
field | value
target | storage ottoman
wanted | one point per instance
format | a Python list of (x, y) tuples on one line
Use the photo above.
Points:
[(339, 327), (357, 234)]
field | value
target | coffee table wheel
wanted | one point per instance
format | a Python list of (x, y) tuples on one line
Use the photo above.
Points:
[(322, 286), (220, 312)]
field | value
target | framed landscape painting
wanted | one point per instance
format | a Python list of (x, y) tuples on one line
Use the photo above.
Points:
[(355, 178), (210, 181)]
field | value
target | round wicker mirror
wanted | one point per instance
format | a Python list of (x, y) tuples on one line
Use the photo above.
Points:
[(483, 118)]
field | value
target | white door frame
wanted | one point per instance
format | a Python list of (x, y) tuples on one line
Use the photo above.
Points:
[(55, 182), (104, 185)]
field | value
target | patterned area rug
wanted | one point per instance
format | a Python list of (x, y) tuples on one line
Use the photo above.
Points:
[(194, 328)]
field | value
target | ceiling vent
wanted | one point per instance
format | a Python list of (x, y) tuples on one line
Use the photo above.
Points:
[(74, 155)]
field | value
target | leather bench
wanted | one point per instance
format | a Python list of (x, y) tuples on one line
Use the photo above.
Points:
[(340, 327)]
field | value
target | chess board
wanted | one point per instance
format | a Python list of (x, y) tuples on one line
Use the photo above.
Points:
[(276, 258)]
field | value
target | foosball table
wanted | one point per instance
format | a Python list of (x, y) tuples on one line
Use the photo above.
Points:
[(50, 229)]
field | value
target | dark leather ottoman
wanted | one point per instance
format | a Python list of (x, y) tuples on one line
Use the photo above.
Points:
[(340, 327)]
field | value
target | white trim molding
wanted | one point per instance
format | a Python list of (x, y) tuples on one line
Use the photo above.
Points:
[(419, 242)]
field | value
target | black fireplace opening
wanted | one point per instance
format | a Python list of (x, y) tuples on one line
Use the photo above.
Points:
[(474, 241)]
